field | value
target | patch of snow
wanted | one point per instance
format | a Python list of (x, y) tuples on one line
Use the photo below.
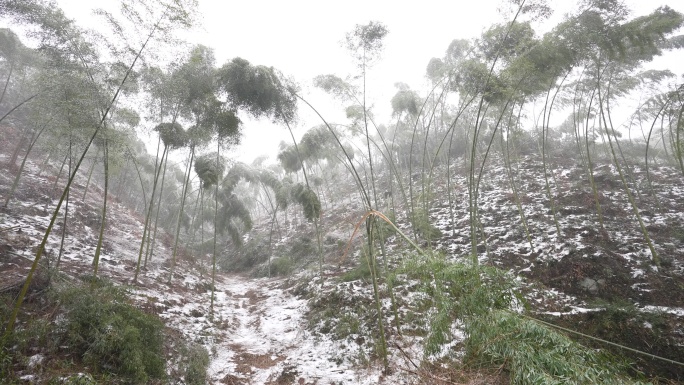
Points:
[(678, 311), (35, 361), (575, 310)]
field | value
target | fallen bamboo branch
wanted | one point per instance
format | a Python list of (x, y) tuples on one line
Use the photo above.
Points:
[(10, 228)]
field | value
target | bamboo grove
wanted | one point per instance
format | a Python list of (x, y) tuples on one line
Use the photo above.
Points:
[(511, 91)]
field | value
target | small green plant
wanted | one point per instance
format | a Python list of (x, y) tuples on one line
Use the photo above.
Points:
[(422, 224), (536, 354), (302, 247), (282, 266), (253, 252), (5, 363), (458, 291), (348, 324), (33, 335), (385, 230), (480, 299), (112, 335), (362, 272), (196, 365)]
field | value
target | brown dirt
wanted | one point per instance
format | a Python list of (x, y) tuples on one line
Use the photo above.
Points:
[(246, 361)]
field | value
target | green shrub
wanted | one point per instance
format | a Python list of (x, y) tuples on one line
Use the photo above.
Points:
[(196, 365), (253, 252), (30, 335), (536, 354), (112, 335), (457, 292), (302, 247), (5, 363), (282, 266), (421, 222), (362, 271), (481, 298), (35, 334)]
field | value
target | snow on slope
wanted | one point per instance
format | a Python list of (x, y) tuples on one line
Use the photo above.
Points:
[(257, 332)]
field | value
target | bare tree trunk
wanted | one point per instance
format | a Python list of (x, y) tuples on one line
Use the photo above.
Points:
[(59, 174), (66, 215), (90, 174), (150, 248), (148, 215), (180, 212), (103, 223)]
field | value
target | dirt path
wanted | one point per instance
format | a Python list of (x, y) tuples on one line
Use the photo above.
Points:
[(257, 334)]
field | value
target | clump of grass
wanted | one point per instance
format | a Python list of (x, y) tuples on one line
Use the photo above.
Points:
[(32, 335), (197, 362), (360, 272), (480, 300), (111, 335), (282, 266), (343, 315), (5, 362), (421, 223), (536, 354), (250, 254)]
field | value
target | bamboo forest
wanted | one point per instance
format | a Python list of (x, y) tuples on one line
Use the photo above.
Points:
[(255, 206)]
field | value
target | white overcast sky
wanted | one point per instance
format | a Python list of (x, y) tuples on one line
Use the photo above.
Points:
[(303, 38)]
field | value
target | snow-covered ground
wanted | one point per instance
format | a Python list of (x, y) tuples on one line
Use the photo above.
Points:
[(257, 332)]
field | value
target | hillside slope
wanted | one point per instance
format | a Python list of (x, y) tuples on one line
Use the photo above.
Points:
[(256, 334), (599, 281), (301, 329)]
